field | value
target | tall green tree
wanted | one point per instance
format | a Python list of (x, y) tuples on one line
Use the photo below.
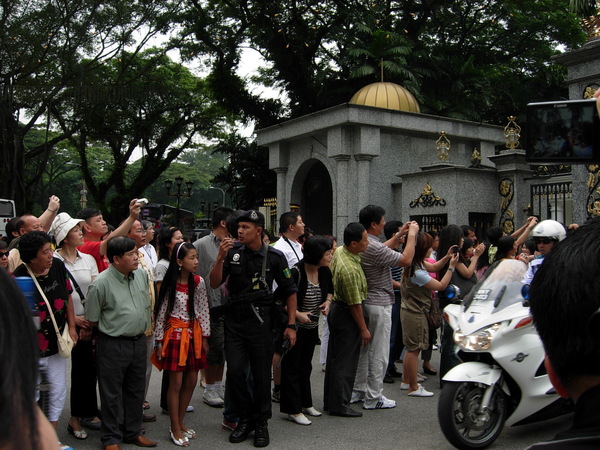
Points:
[(42, 45), (139, 103)]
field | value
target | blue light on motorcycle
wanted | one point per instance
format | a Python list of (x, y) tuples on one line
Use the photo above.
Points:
[(452, 292), (525, 291)]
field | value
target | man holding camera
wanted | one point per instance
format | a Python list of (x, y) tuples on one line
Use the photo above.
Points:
[(95, 231), (377, 306), (250, 271)]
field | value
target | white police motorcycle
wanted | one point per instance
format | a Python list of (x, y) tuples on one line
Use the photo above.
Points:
[(502, 379)]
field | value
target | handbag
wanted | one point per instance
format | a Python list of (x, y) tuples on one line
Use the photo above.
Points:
[(65, 343), (434, 315)]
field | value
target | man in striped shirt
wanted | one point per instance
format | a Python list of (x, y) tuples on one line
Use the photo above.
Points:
[(376, 262)]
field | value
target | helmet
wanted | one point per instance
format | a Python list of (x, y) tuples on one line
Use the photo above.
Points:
[(550, 229)]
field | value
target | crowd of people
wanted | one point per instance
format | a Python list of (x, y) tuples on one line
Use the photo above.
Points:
[(229, 300)]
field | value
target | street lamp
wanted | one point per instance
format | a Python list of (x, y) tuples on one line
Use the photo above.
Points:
[(178, 193), (213, 187)]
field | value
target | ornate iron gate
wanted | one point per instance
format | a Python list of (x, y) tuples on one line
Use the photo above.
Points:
[(431, 222), (552, 201)]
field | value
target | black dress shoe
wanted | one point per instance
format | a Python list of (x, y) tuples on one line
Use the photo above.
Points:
[(91, 425), (346, 412), (388, 379), (241, 432), (261, 434)]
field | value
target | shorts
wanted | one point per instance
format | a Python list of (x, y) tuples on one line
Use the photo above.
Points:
[(415, 331), (216, 342), (171, 358)]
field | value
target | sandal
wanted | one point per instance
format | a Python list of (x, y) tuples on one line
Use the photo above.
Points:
[(78, 434), (146, 405), (189, 433), (429, 370), (183, 442)]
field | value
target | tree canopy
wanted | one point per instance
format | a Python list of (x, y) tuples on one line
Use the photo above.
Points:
[(477, 60), (87, 72)]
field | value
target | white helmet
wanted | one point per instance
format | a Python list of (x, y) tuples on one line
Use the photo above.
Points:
[(550, 229)]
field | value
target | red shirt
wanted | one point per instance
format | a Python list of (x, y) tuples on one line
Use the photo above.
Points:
[(93, 248)]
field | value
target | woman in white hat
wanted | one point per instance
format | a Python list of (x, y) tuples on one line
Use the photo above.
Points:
[(83, 269)]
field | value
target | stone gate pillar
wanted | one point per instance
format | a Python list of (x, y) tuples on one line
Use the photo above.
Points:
[(512, 179)]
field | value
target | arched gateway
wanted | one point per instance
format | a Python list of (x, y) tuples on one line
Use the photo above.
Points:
[(312, 185)]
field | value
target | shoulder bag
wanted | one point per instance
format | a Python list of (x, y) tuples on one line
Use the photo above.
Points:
[(434, 315), (65, 343)]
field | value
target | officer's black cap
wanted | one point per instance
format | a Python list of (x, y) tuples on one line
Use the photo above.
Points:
[(252, 216)]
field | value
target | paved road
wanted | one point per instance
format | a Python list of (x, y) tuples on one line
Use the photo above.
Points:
[(411, 425)]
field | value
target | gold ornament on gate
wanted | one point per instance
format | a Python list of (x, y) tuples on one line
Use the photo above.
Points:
[(442, 145), (512, 133)]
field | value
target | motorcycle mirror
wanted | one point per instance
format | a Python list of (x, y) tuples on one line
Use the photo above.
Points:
[(525, 294), (452, 292)]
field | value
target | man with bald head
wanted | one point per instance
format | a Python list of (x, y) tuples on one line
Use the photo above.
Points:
[(27, 223)]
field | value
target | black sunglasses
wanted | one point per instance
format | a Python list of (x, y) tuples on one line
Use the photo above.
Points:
[(3, 254), (542, 240)]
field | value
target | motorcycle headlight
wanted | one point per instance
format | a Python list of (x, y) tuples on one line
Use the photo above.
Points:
[(480, 340)]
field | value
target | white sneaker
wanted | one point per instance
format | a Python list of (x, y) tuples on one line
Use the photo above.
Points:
[(404, 386), (211, 398), (189, 408), (421, 392), (421, 378), (382, 403), (312, 411), (221, 391), (357, 398), (300, 419)]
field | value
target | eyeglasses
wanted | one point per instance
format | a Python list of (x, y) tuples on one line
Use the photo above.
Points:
[(543, 240), (4, 254)]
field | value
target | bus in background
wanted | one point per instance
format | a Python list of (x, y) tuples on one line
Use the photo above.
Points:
[(7, 212)]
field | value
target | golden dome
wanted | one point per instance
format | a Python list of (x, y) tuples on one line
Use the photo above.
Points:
[(386, 95)]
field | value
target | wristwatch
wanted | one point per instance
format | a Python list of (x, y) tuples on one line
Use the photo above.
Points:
[(451, 269), (293, 326)]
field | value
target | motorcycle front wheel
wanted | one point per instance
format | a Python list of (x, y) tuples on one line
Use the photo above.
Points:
[(461, 419)]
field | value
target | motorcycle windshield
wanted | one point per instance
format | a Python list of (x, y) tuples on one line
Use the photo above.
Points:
[(501, 285)]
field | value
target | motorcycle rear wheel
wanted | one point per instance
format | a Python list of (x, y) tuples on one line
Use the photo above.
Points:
[(462, 423)]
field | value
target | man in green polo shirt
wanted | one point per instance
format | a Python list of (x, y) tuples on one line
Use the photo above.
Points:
[(347, 327), (118, 304)]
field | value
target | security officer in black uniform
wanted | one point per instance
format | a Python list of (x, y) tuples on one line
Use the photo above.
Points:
[(249, 320)]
